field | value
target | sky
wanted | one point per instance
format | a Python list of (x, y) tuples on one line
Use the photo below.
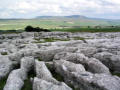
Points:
[(109, 9)]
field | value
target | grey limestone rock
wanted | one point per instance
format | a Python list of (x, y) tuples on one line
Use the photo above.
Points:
[(5, 66)]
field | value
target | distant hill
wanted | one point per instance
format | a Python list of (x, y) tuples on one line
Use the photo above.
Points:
[(83, 20), (74, 17), (71, 16)]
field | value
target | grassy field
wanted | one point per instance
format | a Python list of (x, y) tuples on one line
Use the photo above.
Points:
[(60, 24), (49, 23), (92, 30)]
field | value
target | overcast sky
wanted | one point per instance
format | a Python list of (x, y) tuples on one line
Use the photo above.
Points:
[(31, 8)]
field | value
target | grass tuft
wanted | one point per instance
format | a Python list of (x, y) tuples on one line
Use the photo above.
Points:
[(4, 53), (117, 74), (3, 82), (39, 59)]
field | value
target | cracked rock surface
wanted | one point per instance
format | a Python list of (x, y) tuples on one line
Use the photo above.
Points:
[(60, 61)]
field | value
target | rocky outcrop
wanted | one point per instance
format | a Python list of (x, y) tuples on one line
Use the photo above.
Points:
[(16, 78), (27, 63), (110, 60), (95, 66), (60, 61), (45, 80), (76, 75), (47, 54), (40, 84), (43, 73), (5, 66)]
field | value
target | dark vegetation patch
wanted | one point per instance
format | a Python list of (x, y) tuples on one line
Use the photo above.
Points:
[(50, 40), (70, 29), (73, 88), (79, 38), (58, 77), (4, 53), (54, 73), (11, 31), (3, 82), (4, 79), (39, 59), (36, 29), (55, 39), (38, 42), (117, 74), (27, 82)]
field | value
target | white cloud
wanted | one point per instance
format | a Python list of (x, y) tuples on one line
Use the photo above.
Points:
[(59, 7), (117, 2)]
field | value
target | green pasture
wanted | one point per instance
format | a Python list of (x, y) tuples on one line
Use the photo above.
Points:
[(48, 23)]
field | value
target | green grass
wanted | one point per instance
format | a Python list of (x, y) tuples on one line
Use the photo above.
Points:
[(63, 24), (39, 59), (11, 31), (27, 82), (3, 82), (4, 53), (50, 40), (79, 38), (70, 85), (4, 79), (52, 23), (55, 39), (92, 30), (38, 42), (117, 74), (28, 85)]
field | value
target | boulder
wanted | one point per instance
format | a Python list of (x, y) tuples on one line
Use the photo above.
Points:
[(69, 66), (85, 80), (15, 80), (88, 51), (5, 66), (43, 72), (16, 57), (110, 60), (70, 49), (66, 56), (67, 43), (48, 53), (72, 57), (106, 82), (40, 84), (95, 66), (27, 63)]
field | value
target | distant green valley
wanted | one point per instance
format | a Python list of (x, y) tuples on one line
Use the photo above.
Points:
[(56, 22)]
